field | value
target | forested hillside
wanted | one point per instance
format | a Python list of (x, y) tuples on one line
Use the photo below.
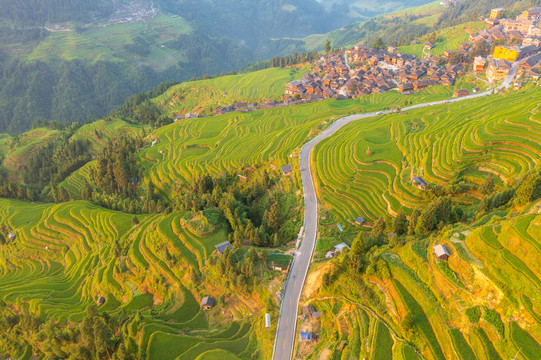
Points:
[(402, 27), (33, 13), (71, 60)]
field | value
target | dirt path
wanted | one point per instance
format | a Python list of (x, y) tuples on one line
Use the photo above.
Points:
[(456, 240)]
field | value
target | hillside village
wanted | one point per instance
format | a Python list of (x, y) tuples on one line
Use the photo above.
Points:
[(523, 38), (374, 71), (360, 70)]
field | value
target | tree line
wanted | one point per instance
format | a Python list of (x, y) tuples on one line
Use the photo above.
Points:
[(38, 12), (97, 336), (254, 209)]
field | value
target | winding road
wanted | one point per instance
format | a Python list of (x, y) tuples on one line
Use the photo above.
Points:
[(287, 322)]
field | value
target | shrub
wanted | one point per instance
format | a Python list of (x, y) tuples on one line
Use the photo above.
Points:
[(473, 314), (494, 319)]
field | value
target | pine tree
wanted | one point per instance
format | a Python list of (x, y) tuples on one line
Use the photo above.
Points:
[(327, 46), (400, 225), (413, 221), (357, 254), (378, 44), (379, 228), (150, 190), (273, 217)]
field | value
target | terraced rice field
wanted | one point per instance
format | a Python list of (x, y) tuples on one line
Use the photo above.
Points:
[(14, 152), (100, 132), (349, 331), (451, 38), (106, 43), (65, 256), (237, 141), (499, 277), (499, 135), (507, 285), (206, 95)]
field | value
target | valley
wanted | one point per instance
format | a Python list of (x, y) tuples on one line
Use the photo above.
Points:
[(378, 201)]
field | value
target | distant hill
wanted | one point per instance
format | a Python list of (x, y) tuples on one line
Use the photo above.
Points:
[(71, 61), (28, 13)]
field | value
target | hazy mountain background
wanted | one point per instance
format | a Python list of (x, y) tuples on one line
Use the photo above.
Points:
[(71, 60)]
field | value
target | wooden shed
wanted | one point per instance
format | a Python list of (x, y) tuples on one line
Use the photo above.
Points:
[(286, 170), (207, 303), (222, 246), (441, 252)]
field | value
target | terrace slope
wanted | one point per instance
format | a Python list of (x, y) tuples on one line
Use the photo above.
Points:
[(483, 303), (65, 256), (445, 145), (233, 141)]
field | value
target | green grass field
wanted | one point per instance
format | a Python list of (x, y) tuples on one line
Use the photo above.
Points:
[(451, 38)]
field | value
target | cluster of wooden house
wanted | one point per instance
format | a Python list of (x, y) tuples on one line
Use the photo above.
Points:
[(418, 75), (372, 71), (524, 35)]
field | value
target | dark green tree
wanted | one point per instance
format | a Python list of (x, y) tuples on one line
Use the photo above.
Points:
[(487, 187), (400, 224), (327, 46), (378, 230), (357, 254), (529, 188), (379, 44)]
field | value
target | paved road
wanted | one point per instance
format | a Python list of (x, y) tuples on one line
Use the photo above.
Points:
[(287, 323)]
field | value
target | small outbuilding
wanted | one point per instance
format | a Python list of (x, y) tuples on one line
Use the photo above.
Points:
[(310, 311), (191, 116), (100, 301), (306, 336), (207, 303), (340, 247), (267, 320), (243, 178), (420, 183), (286, 170), (441, 252), (359, 221), (11, 236), (460, 93), (222, 246), (329, 255)]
